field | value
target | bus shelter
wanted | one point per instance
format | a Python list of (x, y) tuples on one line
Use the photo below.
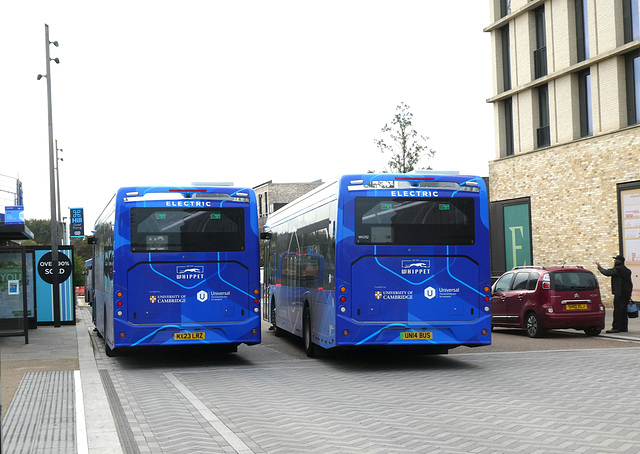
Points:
[(13, 292)]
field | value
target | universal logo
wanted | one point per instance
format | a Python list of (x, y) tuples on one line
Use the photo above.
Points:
[(202, 296), (430, 293)]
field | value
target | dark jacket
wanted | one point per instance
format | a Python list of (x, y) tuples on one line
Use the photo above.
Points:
[(621, 284)]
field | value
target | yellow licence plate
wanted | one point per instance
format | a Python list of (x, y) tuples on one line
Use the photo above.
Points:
[(416, 335), (188, 336), (572, 307)]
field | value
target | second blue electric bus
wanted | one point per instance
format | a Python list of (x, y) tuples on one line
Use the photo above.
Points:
[(176, 266), (382, 259)]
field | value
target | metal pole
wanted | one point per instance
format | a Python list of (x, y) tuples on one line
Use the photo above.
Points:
[(52, 179), (58, 189)]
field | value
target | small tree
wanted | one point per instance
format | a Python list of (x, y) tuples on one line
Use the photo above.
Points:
[(407, 147)]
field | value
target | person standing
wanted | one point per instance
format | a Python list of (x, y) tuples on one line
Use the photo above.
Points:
[(621, 286)]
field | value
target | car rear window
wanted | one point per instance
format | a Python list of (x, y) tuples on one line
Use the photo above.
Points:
[(566, 281)]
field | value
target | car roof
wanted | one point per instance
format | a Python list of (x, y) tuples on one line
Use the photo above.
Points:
[(552, 269)]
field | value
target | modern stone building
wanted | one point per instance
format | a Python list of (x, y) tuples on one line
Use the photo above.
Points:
[(565, 184), (273, 196)]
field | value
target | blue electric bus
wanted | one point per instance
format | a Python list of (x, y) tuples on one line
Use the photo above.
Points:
[(382, 259), (176, 266)]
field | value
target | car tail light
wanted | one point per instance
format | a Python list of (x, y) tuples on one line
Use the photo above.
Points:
[(546, 282)]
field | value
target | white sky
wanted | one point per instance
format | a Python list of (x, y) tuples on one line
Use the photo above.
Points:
[(173, 92)]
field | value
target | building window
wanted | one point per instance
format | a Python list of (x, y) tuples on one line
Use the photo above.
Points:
[(508, 126), (631, 20), (543, 132), (633, 87), (582, 29), (505, 7), (260, 204), (584, 93), (506, 58), (266, 204), (540, 54)]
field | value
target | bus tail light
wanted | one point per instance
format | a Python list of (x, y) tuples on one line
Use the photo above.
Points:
[(254, 331), (484, 332), (343, 299), (123, 335), (119, 304), (345, 333)]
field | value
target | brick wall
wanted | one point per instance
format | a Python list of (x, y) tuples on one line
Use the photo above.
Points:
[(574, 208)]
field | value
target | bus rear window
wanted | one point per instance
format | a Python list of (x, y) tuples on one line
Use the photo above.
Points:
[(415, 221), (187, 230)]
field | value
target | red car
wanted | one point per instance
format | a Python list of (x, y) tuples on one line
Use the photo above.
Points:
[(537, 299)]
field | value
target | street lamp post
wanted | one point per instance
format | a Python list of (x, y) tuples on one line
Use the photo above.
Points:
[(54, 218)]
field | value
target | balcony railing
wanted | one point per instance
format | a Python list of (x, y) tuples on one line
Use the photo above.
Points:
[(540, 62), (544, 136)]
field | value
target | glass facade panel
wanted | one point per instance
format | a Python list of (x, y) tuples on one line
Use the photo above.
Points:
[(506, 58), (586, 112), (582, 29)]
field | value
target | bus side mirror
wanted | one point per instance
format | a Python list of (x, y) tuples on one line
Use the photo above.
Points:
[(265, 235)]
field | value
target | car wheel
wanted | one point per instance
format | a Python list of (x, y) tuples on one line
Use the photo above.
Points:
[(309, 346), (532, 325), (593, 331)]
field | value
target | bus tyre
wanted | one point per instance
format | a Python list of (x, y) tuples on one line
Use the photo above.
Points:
[(309, 346), (276, 331), (111, 353)]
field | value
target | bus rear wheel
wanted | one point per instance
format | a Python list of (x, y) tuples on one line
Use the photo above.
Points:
[(276, 331), (309, 346), (110, 352)]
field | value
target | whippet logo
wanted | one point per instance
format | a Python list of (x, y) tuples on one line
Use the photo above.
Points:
[(189, 272), (416, 266)]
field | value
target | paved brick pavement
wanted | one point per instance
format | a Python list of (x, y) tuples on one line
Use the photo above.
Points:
[(263, 401), (267, 402)]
